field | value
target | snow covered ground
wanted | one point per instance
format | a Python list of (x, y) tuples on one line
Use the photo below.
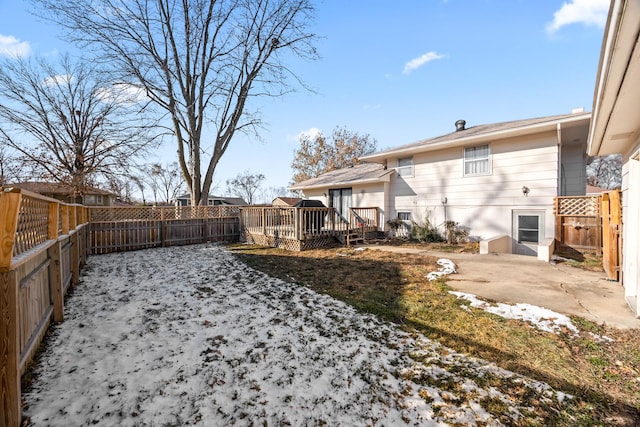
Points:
[(191, 336)]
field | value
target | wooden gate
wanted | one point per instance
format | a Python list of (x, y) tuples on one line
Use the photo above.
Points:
[(578, 224), (592, 223), (611, 211)]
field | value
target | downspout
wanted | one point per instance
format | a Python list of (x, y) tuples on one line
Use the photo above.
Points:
[(387, 206), (559, 190)]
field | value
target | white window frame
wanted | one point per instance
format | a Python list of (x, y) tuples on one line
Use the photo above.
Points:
[(406, 169), (486, 159), (405, 213)]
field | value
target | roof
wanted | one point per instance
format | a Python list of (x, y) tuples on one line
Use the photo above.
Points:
[(616, 100), (590, 189), (238, 201), (363, 173), (482, 133), (56, 188), (288, 200)]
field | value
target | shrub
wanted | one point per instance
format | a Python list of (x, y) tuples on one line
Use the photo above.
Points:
[(425, 233), (454, 233)]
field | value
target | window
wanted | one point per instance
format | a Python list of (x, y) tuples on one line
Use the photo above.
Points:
[(93, 199), (340, 199), (476, 160), (404, 216), (528, 228), (405, 166)]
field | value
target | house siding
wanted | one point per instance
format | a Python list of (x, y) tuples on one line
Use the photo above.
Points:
[(573, 174), (363, 195), (630, 226), (482, 203)]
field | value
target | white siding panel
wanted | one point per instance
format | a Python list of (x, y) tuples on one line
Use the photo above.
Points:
[(631, 227), (573, 170), (483, 203)]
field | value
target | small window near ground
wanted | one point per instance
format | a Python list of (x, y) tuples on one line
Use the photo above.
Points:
[(476, 160), (404, 216), (528, 228), (405, 166)]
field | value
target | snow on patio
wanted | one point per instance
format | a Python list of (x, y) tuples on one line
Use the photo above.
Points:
[(191, 336)]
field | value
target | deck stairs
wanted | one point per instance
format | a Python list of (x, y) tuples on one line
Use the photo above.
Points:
[(350, 237)]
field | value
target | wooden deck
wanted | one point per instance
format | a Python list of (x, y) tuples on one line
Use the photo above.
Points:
[(299, 229)]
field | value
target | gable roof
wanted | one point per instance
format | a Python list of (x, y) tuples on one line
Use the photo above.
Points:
[(237, 201), (57, 188), (363, 173), (287, 200), (482, 133)]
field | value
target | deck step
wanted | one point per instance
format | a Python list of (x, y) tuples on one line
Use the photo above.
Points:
[(353, 239)]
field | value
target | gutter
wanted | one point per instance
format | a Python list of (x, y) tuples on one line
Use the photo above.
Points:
[(501, 134)]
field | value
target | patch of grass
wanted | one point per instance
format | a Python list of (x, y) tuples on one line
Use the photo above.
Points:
[(601, 367)]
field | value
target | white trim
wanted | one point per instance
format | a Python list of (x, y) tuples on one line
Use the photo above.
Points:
[(476, 139), (473, 160), (407, 170)]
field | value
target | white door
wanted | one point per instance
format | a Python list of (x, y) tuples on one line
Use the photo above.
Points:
[(528, 228)]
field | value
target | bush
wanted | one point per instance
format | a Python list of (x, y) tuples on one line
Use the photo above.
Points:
[(454, 233), (425, 233)]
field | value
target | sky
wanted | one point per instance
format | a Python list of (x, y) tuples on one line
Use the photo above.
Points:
[(401, 71)]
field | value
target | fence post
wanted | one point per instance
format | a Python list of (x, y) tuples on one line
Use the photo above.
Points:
[(75, 252), (9, 351), (559, 220), (55, 267), (9, 338)]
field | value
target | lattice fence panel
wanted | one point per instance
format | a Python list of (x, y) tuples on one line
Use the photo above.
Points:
[(137, 213), (33, 223), (572, 206)]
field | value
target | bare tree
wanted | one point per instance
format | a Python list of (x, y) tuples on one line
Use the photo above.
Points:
[(605, 172), (245, 185), (11, 168), (165, 180), (318, 154), (199, 60), (268, 194), (68, 122)]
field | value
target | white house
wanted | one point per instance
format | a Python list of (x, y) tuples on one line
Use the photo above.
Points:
[(615, 127), (497, 180)]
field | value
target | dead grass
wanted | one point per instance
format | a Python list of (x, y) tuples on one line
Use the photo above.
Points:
[(605, 375)]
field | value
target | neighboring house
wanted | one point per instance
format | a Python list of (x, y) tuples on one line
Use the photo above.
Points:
[(185, 200), (285, 201), (493, 180), (90, 196), (615, 127), (595, 191)]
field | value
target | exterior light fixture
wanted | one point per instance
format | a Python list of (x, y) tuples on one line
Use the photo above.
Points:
[(525, 190)]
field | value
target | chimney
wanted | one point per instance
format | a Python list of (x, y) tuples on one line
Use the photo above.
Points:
[(460, 125)]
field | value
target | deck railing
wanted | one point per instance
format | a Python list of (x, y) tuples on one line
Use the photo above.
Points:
[(367, 218), (43, 245), (292, 223), (304, 224)]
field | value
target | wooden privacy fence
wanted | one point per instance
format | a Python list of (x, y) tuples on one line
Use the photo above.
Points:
[(42, 248), (117, 229), (592, 223)]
